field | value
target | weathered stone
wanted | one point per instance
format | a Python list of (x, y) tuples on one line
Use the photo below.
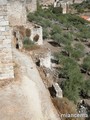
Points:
[(2, 28), (17, 10), (4, 23), (58, 90), (1, 17), (6, 65)]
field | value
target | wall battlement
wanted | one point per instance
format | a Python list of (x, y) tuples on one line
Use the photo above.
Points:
[(6, 65)]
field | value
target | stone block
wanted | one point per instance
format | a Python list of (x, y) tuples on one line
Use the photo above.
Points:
[(4, 23), (6, 64), (5, 33), (3, 2), (2, 28), (1, 17)]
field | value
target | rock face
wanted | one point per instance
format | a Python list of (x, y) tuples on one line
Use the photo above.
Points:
[(45, 60), (6, 66), (58, 90)]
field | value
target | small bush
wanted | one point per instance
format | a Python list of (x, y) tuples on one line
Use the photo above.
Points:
[(86, 63), (57, 10), (45, 33), (77, 54), (86, 88), (63, 38), (55, 29), (27, 43)]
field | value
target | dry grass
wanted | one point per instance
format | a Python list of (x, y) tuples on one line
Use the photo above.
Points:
[(64, 106), (33, 47)]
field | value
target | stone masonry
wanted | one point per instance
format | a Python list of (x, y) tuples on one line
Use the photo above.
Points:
[(18, 9), (6, 65)]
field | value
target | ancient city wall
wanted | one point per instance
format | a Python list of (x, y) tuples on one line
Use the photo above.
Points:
[(16, 12), (18, 9), (6, 66)]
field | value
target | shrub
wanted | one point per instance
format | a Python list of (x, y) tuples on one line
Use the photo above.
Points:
[(57, 10), (77, 54), (31, 17), (79, 46), (82, 6), (61, 38), (86, 88), (55, 29), (45, 23), (45, 33), (86, 63), (27, 43), (72, 85)]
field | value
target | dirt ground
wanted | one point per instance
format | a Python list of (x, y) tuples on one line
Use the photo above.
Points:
[(26, 97)]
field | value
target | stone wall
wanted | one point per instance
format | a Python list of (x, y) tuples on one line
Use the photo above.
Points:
[(31, 5), (45, 60), (32, 31), (65, 7), (6, 65), (16, 13), (17, 10), (36, 31)]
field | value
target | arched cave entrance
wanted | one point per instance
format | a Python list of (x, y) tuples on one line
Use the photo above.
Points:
[(36, 38)]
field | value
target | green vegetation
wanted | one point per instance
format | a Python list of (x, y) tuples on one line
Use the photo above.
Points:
[(74, 79), (86, 63), (63, 29), (27, 43), (85, 5), (53, 24)]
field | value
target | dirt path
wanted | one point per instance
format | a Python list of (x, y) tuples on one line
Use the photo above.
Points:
[(27, 99)]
